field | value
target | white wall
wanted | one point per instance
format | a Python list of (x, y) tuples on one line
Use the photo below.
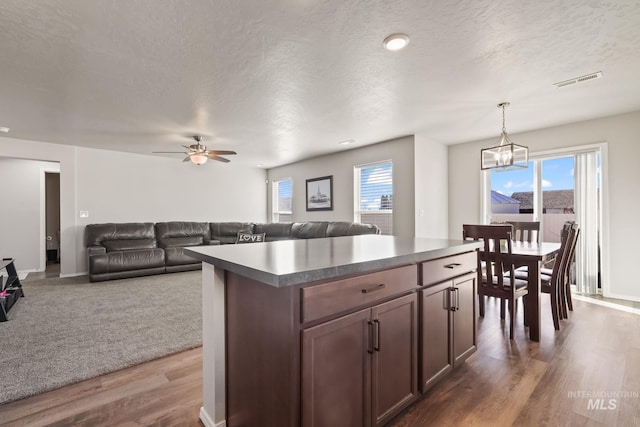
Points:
[(431, 188), (21, 206), (622, 133), (122, 187), (340, 165), (65, 156)]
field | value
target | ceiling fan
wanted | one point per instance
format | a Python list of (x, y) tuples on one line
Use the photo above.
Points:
[(199, 154)]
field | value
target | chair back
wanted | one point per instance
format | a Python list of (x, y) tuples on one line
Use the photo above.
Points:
[(495, 259), (559, 266), (571, 250), (526, 231)]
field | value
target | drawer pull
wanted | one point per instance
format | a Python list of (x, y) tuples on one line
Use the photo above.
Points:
[(453, 265), (374, 288)]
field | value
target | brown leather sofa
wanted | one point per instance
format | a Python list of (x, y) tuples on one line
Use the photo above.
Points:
[(117, 251)]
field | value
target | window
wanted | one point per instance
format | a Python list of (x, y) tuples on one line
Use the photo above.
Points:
[(281, 203), (515, 196), (373, 195)]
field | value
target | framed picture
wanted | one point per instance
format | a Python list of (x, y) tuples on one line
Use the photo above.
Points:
[(320, 194)]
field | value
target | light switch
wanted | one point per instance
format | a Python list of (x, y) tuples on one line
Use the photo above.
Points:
[(84, 214)]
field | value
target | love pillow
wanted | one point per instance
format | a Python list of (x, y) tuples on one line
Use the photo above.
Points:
[(249, 238)]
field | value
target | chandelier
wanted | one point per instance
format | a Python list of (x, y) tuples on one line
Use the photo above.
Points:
[(506, 155)]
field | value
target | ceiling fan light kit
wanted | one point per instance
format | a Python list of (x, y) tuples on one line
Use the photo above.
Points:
[(506, 155), (198, 153), (198, 159)]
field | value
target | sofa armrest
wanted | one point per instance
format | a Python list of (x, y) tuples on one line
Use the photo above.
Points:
[(95, 250)]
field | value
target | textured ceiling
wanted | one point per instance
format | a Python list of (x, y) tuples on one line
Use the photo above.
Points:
[(283, 80)]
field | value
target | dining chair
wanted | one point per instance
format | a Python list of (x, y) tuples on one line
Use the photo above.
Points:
[(565, 302), (552, 284), (524, 231), (496, 267), (565, 284)]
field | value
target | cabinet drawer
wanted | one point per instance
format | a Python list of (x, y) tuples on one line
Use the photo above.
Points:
[(439, 270), (334, 297)]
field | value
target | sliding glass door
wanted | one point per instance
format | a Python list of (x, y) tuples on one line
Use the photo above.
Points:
[(552, 190)]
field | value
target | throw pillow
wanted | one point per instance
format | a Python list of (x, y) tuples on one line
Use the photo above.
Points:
[(249, 238)]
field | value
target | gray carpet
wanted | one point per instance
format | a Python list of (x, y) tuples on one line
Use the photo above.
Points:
[(68, 330)]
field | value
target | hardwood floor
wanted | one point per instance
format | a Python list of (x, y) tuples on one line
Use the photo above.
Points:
[(507, 382), (595, 355)]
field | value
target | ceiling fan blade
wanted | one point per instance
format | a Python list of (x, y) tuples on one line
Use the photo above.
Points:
[(218, 158), (188, 158), (168, 152), (222, 152)]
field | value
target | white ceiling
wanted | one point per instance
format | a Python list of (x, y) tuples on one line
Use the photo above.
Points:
[(283, 80)]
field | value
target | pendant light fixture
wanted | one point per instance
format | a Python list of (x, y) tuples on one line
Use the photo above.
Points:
[(506, 155)]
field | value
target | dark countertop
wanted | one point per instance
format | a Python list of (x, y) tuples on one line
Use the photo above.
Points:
[(291, 262)]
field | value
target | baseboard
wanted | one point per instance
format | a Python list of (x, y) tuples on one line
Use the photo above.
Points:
[(606, 304), (62, 276), (208, 422), (624, 297), (22, 274)]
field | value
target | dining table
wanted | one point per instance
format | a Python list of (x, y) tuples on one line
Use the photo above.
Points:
[(533, 255)]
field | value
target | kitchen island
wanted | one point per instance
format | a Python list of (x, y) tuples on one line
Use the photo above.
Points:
[(330, 332)]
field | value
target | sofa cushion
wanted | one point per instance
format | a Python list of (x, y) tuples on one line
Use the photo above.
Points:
[(174, 242), (274, 231), (227, 232), (126, 260), (176, 256), (165, 230), (309, 230), (95, 234), (249, 238), (127, 245), (344, 228)]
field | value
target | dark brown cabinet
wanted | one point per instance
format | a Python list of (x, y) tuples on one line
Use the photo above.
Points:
[(353, 351), (448, 327), (361, 369), (464, 318)]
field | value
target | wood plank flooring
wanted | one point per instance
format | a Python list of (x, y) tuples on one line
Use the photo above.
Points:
[(507, 382)]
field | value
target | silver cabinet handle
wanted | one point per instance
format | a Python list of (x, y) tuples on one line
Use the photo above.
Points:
[(453, 265)]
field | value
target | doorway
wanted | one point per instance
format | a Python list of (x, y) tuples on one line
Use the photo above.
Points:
[(565, 185), (52, 223)]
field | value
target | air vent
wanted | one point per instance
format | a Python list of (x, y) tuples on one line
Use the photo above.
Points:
[(579, 79)]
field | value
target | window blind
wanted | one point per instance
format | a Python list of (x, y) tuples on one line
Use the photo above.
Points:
[(374, 193)]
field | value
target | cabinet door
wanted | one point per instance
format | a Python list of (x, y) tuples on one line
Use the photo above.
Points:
[(336, 388), (394, 369), (464, 319), (436, 358)]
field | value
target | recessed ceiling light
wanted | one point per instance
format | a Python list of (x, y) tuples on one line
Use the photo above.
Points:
[(347, 142), (259, 165), (3, 129), (396, 42)]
